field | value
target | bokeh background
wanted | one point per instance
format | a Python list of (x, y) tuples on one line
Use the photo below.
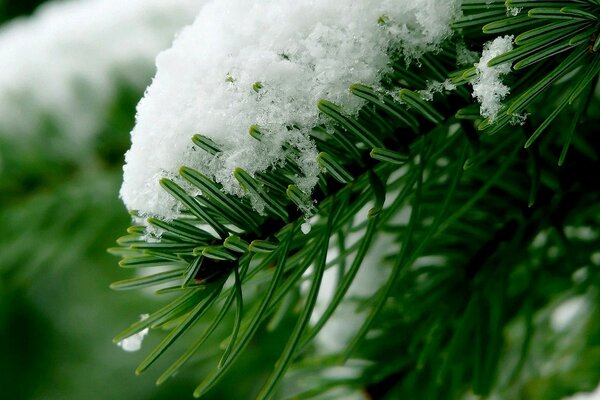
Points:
[(59, 211)]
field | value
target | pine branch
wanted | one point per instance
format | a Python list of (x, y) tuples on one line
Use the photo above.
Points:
[(471, 200)]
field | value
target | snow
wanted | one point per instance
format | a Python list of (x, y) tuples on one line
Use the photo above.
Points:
[(436, 87), (134, 342), (267, 63), (464, 56), (595, 395), (488, 88), (68, 60), (513, 11), (566, 312)]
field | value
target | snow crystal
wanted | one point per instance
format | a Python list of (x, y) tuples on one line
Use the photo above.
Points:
[(487, 86), (134, 342), (436, 87), (68, 60), (266, 63), (518, 119)]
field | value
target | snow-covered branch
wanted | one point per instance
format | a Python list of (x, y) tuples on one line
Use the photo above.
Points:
[(267, 63)]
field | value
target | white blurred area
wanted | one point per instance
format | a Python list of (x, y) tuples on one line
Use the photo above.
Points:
[(66, 62), (595, 395)]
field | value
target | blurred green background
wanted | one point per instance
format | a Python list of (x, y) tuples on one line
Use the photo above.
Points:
[(57, 314)]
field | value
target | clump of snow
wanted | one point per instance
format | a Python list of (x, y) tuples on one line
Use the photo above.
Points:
[(488, 89), (512, 11), (266, 63), (465, 56), (134, 342), (436, 87), (518, 119), (67, 61)]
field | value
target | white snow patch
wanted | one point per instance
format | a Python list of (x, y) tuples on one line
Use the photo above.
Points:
[(68, 60), (595, 395), (488, 89), (518, 119), (298, 51), (512, 11), (566, 313), (436, 87)]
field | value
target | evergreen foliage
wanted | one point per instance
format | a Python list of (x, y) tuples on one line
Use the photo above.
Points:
[(500, 226)]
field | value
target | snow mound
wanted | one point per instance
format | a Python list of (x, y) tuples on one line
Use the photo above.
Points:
[(488, 88), (267, 63)]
